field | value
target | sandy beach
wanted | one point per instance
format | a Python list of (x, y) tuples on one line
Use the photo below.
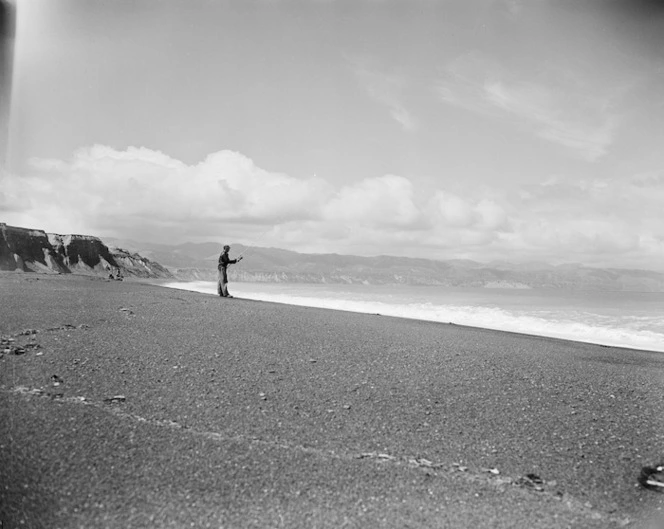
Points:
[(132, 405)]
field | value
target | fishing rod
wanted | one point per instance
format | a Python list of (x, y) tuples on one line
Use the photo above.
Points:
[(260, 238)]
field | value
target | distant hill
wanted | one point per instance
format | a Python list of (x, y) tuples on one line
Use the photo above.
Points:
[(198, 261)]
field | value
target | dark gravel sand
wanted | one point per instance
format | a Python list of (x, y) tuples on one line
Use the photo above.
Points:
[(238, 413)]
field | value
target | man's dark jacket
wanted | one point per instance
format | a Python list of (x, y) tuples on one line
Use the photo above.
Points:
[(224, 261)]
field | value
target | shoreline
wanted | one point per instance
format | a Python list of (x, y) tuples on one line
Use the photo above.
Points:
[(631, 347), (266, 415)]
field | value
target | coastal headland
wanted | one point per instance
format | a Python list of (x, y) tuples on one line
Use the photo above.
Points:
[(125, 404)]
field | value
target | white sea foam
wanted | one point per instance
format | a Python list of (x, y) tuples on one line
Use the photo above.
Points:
[(634, 331)]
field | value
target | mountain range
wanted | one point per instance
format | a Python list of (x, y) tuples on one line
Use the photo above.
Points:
[(198, 261), (37, 251)]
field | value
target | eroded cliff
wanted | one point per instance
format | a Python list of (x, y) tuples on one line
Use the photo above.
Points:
[(29, 250)]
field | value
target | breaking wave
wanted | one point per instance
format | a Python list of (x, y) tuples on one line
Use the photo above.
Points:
[(634, 331)]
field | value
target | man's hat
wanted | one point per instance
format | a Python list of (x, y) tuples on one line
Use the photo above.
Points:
[(226, 247)]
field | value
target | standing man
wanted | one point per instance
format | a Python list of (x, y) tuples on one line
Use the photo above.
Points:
[(224, 261)]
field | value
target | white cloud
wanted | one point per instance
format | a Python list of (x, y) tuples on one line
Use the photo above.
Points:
[(146, 190), (580, 236), (544, 109), (451, 210), (148, 195), (553, 105), (492, 216), (462, 85), (387, 90), (603, 222), (144, 194), (254, 193), (381, 201)]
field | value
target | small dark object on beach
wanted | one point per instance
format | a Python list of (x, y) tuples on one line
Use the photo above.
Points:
[(18, 350), (532, 481), (28, 332), (56, 380), (116, 398), (652, 478)]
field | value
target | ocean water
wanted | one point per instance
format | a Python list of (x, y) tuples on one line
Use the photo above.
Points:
[(622, 319)]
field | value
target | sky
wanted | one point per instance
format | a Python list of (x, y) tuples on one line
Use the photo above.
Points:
[(515, 130)]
